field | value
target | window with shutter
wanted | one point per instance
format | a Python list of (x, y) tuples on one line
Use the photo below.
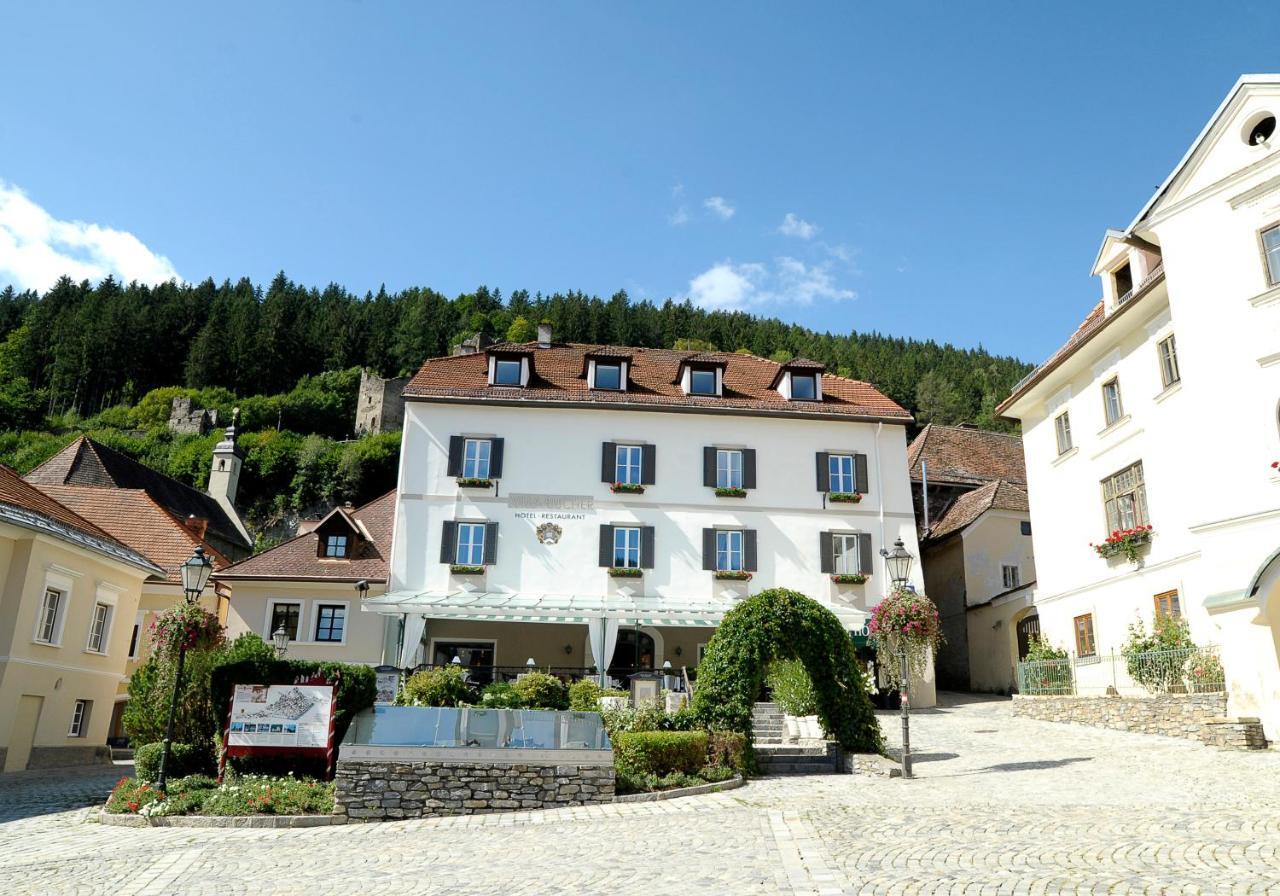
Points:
[(470, 544), (841, 478), (475, 459), (728, 468), (846, 554), (729, 550)]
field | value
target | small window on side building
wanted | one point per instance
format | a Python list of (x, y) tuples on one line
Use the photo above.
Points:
[(1084, 635), (1167, 351)]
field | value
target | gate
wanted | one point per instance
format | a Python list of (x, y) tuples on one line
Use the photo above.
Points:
[(1028, 628)]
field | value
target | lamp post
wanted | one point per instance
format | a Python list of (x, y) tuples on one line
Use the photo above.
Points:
[(898, 562), (195, 575), (280, 638)]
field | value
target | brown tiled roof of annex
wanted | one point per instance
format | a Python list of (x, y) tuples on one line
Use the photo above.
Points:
[(961, 455), (995, 495), (134, 518), (297, 558), (17, 492), (652, 384)]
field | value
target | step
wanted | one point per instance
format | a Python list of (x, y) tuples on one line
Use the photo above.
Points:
[(799, 768), (772, 750)]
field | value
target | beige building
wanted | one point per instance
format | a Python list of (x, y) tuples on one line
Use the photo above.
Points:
[(308, 586), (68, 593), (975, 542)]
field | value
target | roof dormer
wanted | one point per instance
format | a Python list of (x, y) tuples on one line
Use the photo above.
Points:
[(702, 375), (339, 536), (1126, 264), (510, 365), (799, 380), (607, 369)]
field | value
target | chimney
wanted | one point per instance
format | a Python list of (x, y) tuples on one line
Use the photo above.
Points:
[(198, 526), (544, 334)]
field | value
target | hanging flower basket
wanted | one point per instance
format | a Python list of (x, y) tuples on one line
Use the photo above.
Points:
[(627, 488), (856, 578), (1126, 542), (732, 575), (731, 492), (904, 621), (188, 626), (845, 497), (473, 482)]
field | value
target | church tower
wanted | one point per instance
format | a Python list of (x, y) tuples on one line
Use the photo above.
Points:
[(224, 476)]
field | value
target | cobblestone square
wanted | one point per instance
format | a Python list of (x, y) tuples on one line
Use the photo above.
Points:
[(1000, 805)]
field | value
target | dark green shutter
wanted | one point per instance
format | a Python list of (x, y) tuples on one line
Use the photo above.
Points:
[(860, 483), (490, 544), (709, 549), (824, 471), (495, 458), (609, 462), (448, 541), (648, 464), (864, 554), (748, 468), (646, 547), (606, 545), (749, 550), (826, 552), (709, 467), (457, 444)]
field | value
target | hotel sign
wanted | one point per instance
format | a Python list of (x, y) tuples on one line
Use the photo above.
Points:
[(551, 507)]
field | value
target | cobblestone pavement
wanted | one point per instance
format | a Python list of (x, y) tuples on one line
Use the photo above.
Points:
[(1000, 805)]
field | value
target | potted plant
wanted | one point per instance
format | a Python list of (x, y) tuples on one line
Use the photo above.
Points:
[(1126, 542), (733, 575), (627, 488), (844, 497), (474, 482), (905, 622), (462, 569), (727, 492), (854, 578), (625, 572)]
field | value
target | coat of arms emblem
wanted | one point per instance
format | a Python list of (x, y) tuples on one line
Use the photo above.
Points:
[(549, 533)]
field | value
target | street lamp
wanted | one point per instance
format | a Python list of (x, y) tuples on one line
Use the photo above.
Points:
[(280, 638), (898, 563), (195, 575)]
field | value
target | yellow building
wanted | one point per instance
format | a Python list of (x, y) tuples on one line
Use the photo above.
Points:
[(68, 593)]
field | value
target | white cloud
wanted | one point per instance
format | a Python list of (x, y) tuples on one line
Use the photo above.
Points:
[(679, 217), (719, 207), (728, 286), (37, 248), (794, 226)]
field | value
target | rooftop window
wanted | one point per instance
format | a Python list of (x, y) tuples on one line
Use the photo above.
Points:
[(804, 387), (608, 376), (506, 372), (702, 382)]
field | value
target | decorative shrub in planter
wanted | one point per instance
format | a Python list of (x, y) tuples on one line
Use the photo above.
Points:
[(905, 621), (625, 572), (461, 570), (1126, 542), (473, 482), (856, 578), (541, 690), (731, 492), (732, 575), (845, 497), (627, 488), (660, 752), (441, 686)]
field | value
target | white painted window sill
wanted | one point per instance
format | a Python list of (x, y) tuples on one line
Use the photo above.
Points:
[(1266, 297), (1112, 427), (95, 652), (54, 644), (1066, 455), (1171, 389)]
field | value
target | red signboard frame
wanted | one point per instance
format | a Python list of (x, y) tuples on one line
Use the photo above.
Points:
[(328, 750)]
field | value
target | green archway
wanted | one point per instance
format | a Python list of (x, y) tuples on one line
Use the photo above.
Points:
[(783, 624)]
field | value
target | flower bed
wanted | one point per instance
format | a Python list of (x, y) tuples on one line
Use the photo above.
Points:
[(731, 575), (472, 482), (731, 492), (845, 497), (1126, 542), (460, 570), (856, 578), (627, 488), (625, 572), (235, 796)]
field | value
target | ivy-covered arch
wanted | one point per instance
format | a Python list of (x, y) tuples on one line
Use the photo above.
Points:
[(779, 624)]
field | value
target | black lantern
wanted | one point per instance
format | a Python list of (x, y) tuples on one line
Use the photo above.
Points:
[(898, 561), (195, 575)]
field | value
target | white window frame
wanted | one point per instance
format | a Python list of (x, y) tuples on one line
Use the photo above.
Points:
[(838, 477), (628, 461), (473, 544), (1167, 354), (841, 554), (1011, 575), (54, 625), (730, 545), (272, 603), (1062, 432), (1270, 271), (80, 711), (344, 606), (476, 463), (812, 378), (626, 544), (329, 546), (1111, 416), (497, 367), (727, 474), (99, 628)]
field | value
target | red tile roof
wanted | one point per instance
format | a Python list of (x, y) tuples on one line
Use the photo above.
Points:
[(960, 455), (133, 517), (297, 558), (558, 377), (996, 495)]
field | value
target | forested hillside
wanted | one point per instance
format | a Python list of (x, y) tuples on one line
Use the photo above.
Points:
[(108, 359)]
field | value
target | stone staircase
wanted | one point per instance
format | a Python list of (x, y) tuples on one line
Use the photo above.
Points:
[(777, 757)]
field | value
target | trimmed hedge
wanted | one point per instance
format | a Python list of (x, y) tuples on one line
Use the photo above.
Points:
[(779, 624), (441, 686), (540, 690), (184, 759), (727, 749), (584, 695), (660, 752)]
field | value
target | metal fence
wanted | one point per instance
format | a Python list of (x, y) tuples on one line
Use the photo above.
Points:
[(1190, 670)]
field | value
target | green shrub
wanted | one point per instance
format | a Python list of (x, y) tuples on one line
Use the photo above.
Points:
[(660, 752), (501, 695), (792, 688), (584, 695), (184, 759), (540, 690), (442, 686), (645, 717), (727, 749), (1039, 650)]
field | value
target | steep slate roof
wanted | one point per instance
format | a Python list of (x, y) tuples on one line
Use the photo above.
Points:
[(558, 377), (21, 495), (297, 558), (134, 518), (961, 456), (88, 463), (995, 495)]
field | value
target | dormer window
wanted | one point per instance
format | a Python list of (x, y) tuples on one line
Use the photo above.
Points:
[(336, 546), (506, 371), (338, 535), (608, 376), (702, 382), (799, 380), (804, 387), (1124, 282)]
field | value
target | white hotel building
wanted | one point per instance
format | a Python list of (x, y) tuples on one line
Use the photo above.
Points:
[(1162, 410), (577, 505)]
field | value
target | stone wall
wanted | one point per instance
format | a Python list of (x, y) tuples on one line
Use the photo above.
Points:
[(60, 757), (370, 790), (1173, 715)]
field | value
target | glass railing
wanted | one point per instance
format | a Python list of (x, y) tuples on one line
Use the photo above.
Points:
[(498, 729)]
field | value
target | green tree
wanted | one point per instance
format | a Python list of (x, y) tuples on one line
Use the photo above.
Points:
[(521, 330)]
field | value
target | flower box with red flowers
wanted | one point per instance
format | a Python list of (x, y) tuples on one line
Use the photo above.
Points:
[(459, 569), (625, 572), (856, 578), (627, 488), (733, 575), (1124, 542), (845, 497), (474, 482)]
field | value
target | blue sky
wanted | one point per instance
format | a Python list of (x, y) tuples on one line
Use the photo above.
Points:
[(941, 171)]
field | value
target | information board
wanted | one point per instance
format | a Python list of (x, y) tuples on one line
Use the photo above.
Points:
[(281, 715)]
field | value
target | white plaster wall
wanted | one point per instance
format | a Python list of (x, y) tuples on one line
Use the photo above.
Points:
[(994, 540)]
